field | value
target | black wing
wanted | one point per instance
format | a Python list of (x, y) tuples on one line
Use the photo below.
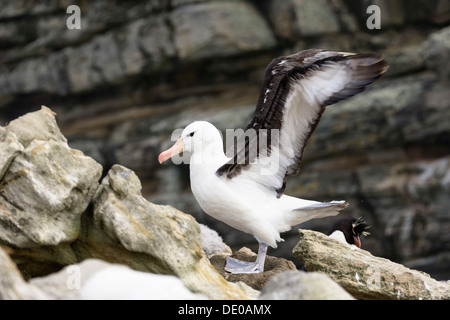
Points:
[(295, 92)]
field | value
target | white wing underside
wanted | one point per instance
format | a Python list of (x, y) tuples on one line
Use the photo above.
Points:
[(303, 106)]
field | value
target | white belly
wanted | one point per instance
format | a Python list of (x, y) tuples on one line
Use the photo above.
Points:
[(239, 206), (220, 203)]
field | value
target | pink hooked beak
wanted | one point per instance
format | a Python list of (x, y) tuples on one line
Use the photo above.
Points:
[(177, 148)]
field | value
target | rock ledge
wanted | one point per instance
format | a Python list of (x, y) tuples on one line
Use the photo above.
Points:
[(363, 275)]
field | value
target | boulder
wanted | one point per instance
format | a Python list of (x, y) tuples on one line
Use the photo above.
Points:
[(436, 52), (10, 149), (219, 29), (145, 43), (293, 19), (43, 181), (363, 275), (54, 213), (125, 228), (299, 285), (12, 284)]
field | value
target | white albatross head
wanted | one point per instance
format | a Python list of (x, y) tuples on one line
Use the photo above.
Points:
[(201, 139)]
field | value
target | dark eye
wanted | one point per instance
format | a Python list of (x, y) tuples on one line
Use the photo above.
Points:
[(192, 133)]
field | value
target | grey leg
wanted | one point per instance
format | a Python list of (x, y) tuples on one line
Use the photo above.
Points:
[(236, 266)]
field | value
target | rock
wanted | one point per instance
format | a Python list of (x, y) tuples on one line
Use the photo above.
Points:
[(44, 181), (86, 65), (405, 60), (219, 29), (298, 285), (406, 194), (295, 18), (12, 284), (396, 13), (24, 9), (363, 275), (393, 12), (273, 265), (10, 149), (40, 125), (148, 237), (147, 45), (436, 52), (53, 213)]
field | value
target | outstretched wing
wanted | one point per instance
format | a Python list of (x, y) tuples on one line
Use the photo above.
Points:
[(295, 92)]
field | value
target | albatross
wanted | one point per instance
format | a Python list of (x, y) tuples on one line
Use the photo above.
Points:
[(246, 189)]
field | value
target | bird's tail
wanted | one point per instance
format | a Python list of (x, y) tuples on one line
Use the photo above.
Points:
[(313, 209)]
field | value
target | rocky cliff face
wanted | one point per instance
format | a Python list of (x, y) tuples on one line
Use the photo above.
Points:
[(364, 275), (74, 237), (137, 70), (54, 212)]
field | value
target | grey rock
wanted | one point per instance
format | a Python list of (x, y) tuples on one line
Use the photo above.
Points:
[(47, 74), (436, 52), (94, 63), (22, 8), (149, 237), (46, 222), (44, 181), (108, 58), (293, 19), (219, 29), (10, 149), (145, 44), (298, 285), (405, 59), (392, 12), (363, 275), (40, 125), (404, 194), (12, 284), (177, 3)]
